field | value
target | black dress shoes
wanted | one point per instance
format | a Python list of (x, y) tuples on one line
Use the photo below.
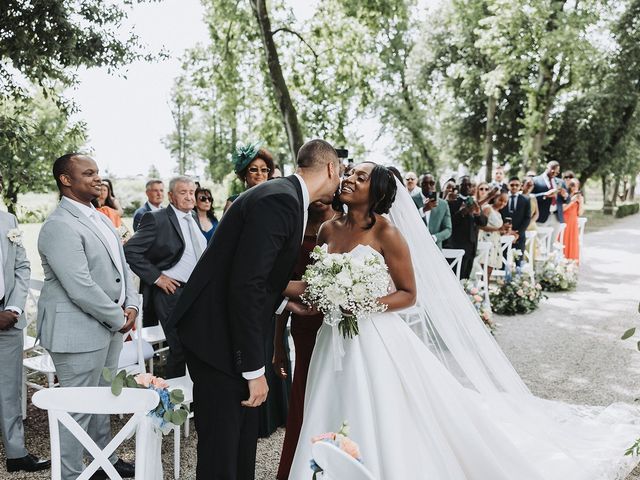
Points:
[(27, 464), (124, 469)]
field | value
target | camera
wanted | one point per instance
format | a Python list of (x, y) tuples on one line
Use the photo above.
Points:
[(508, 221), (469, 201), (432, 196)]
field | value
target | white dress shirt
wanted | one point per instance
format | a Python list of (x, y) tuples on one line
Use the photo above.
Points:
[(426, 215), (182, 270), (305, 209), (113, 241)]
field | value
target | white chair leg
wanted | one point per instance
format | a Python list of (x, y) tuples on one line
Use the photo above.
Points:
[(176, 452), (24, 394), (50, 379), (186, 428)]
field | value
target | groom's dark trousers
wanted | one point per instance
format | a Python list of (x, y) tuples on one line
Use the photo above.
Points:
[(223, 316)]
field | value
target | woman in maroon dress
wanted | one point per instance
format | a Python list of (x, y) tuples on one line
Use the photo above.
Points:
[(303, 331)]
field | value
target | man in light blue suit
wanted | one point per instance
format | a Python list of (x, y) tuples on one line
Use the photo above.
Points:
[(88, 299), (434, 211), (14, 285)]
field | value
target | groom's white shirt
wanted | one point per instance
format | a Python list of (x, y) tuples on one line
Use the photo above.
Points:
[(305, 209)]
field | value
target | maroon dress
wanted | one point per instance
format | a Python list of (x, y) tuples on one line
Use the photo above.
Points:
[(303, 331)]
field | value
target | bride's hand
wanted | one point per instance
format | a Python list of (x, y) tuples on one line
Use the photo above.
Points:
[(295, 288), (298, 308)]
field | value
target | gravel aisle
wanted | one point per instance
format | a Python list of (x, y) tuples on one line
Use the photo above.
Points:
[(569, 349)]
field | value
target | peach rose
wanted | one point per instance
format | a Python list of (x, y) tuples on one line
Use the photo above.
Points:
[(159, 382), (350, 447), (144, 379), (323, 436)]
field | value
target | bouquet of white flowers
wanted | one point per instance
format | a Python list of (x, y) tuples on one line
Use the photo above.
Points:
[(345, 288)]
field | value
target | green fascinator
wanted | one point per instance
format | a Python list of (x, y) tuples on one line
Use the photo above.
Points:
[(244, 154)]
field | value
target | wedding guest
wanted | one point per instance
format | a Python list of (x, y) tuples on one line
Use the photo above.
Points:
[(482, 191), (155, 196), (493, 230), (104, 203), (411, 180), (498, 179), (14, 285), (303, 330), (112, 196), (163, 253), (253, 165), (527, 187), (466, 217), (206, 217), (449, 190), (277, 173), (87, 301), (568, 175), (551, 194), (518, 210), (433, 210), (572, 210)]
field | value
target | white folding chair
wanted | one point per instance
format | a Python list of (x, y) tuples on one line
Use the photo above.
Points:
[(558, 246), (582, 221), (185, 384), (529, 254), (545, 240), (154, 336), (31, 313), (456, 255), (506, 252), (413, 319), (482, 270), (338, 465), (136, 352), (59, 402)]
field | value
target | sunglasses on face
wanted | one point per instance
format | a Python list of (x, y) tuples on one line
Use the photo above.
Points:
[(409, 179), (483, 188), (514, 185), (205, 199), (261, 170)]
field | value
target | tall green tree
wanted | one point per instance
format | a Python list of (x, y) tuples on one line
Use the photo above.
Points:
[(33, 132)]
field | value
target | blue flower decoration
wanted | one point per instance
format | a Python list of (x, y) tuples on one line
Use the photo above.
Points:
[(244, 154)]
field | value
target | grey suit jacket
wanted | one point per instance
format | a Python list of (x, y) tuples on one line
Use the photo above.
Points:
[(16, 268), (78, 310)]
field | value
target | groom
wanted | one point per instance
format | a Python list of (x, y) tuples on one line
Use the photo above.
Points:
[(226, 306)]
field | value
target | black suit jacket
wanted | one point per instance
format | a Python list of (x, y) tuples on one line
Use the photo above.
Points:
[(521, 215), (157, 245), (544, 204), (229, 301), (464, 228)]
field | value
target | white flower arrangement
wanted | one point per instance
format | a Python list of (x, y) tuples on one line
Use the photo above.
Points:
[(345, 288), (15, 236), (557, 274)]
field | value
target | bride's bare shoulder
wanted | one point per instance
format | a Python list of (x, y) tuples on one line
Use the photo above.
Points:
[(325, 230), (387, 233)]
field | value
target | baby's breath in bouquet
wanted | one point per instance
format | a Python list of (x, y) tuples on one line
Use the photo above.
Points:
[(345, 288)]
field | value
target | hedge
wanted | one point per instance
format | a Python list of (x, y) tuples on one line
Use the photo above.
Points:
[(627, 209)]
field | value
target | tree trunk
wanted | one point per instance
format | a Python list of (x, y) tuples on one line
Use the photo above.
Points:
[(488, 137), (280, 89), (616, 190), (10, 197)]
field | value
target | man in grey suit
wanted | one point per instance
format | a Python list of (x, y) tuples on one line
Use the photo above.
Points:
[(14, 284), (88, 299), (433, 210)]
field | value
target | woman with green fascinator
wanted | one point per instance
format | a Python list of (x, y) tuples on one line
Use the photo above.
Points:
[(253, 165)]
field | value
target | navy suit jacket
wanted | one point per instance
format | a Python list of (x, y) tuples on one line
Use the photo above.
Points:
[(544, 204)]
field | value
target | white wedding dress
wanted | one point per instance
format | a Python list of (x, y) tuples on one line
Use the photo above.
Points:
[(450, 407)]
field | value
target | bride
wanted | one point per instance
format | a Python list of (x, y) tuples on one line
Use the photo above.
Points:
[(450, 406)]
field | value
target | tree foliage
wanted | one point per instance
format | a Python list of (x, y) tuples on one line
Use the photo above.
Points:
[(33, 132)]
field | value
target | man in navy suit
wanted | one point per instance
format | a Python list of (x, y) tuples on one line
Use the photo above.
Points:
[(551, 194), (155, 195), (518, 209)]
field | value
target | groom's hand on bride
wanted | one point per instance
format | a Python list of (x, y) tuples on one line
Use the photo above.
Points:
[(258, 390)]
